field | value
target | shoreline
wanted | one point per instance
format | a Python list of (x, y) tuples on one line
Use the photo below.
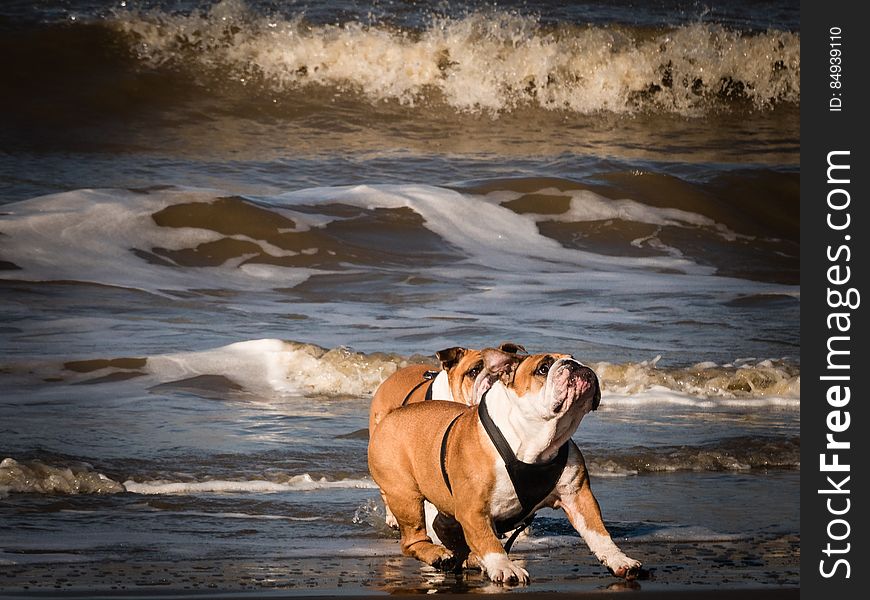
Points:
[(767, 568)]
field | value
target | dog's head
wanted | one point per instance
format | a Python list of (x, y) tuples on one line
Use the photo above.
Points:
[(542, 386), (463, 366)]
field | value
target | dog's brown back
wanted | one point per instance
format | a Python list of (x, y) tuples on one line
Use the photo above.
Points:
[(394, 389)]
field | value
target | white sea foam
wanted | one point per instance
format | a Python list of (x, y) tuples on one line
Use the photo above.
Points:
[(658, 395), (297, 483), (294, 368), (90, 235), (35, 477), (490, 61), (703, 385), (246, 516), (492, 235), (94, 236), (586, 205), (281, 366), (674, 534)]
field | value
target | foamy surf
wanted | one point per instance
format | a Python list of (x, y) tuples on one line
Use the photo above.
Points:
[(35, 477), (740, 454), (298, 368), (774, 382), (178, 239), (583, 206), (295, 483), (662, 534), (282, 366), (113, 237), (491, 61)]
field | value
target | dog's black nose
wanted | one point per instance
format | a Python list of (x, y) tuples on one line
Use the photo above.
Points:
[(585, 373), (589, 379), (582, 370)]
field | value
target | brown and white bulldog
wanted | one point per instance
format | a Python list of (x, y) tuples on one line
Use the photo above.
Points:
[(449, 454), (455, 382)]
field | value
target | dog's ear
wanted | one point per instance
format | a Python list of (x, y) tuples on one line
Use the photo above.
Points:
[(511, 348), (450, 356), (500, 364)]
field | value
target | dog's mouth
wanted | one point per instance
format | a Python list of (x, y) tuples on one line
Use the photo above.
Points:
[(572, 382)]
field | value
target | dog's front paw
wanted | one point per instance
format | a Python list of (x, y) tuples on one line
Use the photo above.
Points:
[(501, 569), (391, 521), (474, 563), (623, 566)]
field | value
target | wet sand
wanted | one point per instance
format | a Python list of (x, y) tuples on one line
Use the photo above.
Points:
[(765, 567)]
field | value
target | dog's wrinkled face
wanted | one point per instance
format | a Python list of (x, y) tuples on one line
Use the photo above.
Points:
[(463, 367), (545, 386)]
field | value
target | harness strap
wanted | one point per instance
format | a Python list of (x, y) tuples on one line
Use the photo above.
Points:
[(428, 377), (531, 482), (443, 459), (517, 532)]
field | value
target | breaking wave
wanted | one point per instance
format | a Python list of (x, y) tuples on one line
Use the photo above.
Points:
[(295, 483), (729, 454), (492, 61), (35, 477), (291, 367)]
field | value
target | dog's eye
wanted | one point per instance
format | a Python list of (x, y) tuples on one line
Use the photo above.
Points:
[(473, 372), (543, 368)]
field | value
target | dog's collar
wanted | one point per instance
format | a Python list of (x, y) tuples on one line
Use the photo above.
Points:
[(532, 482), (428, 377)]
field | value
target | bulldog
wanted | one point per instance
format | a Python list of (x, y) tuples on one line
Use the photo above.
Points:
[(489, 467), (455, 382)]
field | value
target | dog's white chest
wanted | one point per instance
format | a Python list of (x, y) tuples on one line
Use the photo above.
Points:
[(441, 387), (504, 502)]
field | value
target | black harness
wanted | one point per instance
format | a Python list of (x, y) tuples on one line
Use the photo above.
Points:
[(531, 482), (428, 377)]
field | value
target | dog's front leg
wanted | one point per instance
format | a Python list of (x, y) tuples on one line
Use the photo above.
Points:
[(477, 526), (585, 515)]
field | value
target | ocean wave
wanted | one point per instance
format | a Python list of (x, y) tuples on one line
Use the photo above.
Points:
[(743, 379), (283, 366), (35, 477), (730, 454), (174, 239), (491, 61), (542, 537), (289, 367), (115, 237), (295, 483)]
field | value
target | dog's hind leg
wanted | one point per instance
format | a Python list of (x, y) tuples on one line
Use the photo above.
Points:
[(408, 510), (389, 517)]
